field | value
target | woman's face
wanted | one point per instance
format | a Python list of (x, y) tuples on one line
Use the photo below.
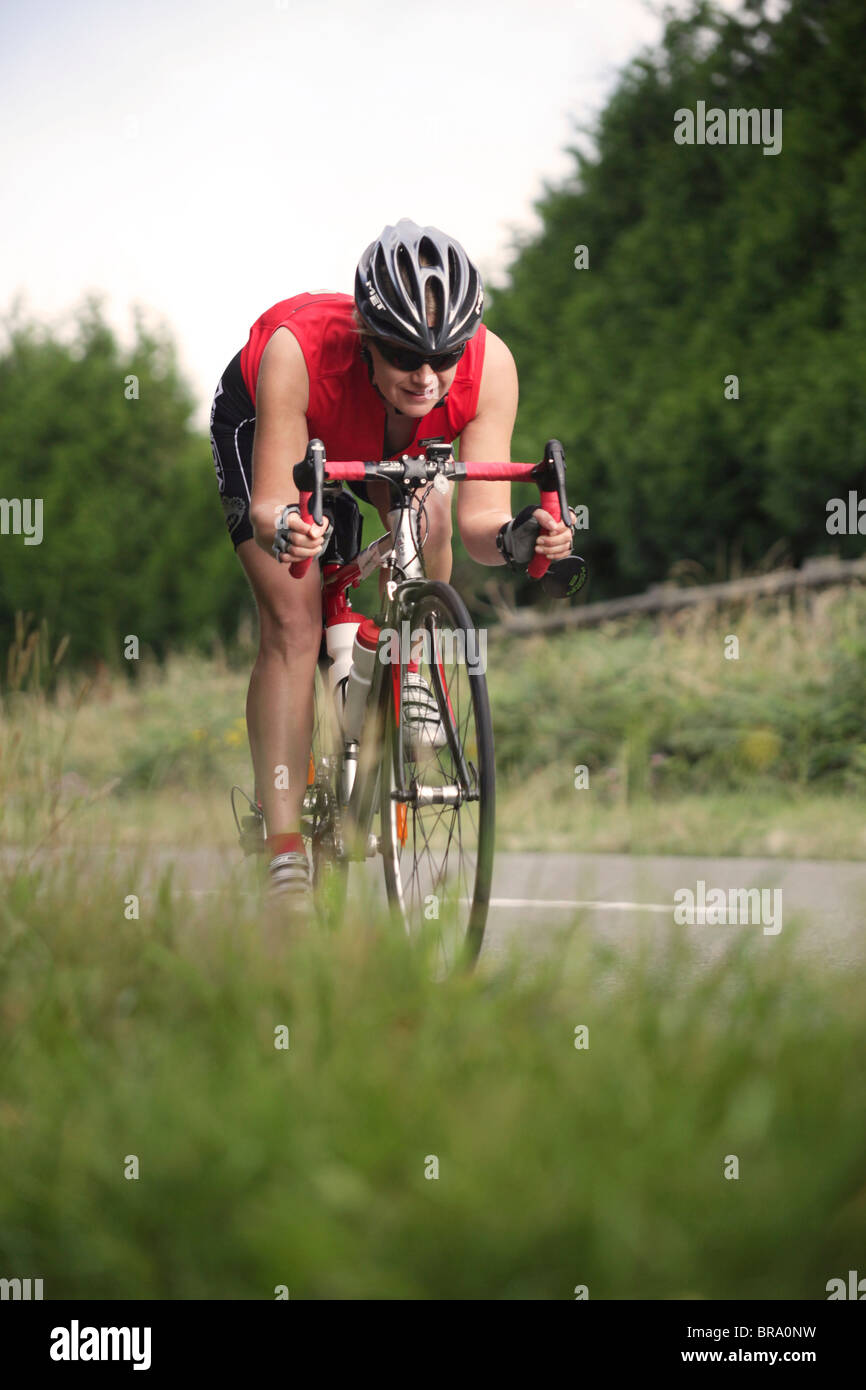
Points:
[(413, 393)]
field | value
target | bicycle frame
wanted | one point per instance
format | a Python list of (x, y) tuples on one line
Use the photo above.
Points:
[(401, 551)]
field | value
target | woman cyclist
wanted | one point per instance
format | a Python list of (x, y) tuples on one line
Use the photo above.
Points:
[(407, 363)]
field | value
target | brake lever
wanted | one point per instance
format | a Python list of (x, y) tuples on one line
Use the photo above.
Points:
[(554, 457), (309, 476), (550, 477), (566, 577), (316, 456)]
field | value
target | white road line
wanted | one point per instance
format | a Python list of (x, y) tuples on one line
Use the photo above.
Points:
[(562, 904), (567, 903)]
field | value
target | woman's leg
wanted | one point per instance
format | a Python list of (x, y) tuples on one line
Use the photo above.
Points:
[(280, 695)]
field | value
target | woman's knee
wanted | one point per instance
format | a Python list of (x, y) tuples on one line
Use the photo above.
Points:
[(439, 528), (287, 623), (290, 612)]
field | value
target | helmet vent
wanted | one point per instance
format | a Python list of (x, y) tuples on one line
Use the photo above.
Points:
[(381, 272), (434, 301), (454, 275), (428, 252), (403, 262)]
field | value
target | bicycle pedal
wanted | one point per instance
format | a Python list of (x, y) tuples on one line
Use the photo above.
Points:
[(251, 838)]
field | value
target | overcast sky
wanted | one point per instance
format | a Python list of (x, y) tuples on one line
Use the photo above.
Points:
[(206, 158)]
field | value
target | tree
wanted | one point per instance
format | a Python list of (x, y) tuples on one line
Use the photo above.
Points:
[(133, 539), (706, 260)]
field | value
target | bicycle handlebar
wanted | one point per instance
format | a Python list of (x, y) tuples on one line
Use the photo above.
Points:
[(310, 475)]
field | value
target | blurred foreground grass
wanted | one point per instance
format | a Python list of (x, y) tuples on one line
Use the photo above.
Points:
[(305, 1167), (685, 752), (558, 1166)]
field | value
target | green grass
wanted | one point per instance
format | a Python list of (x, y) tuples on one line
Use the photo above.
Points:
[(305, 1167), (686, 752), (658, 709)]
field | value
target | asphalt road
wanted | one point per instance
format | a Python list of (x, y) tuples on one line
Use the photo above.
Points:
[(621, 899)]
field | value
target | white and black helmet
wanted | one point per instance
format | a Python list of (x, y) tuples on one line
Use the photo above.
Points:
[(392, 282)]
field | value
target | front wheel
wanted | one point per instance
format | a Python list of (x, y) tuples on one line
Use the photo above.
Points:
[(438, 779)]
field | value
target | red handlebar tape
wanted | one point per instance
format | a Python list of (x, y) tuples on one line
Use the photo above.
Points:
[(300, 567), (355, 471)]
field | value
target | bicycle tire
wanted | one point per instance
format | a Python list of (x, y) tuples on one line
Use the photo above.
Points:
[(430, 829)]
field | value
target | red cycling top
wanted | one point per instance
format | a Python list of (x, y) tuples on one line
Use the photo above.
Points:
[(345, 411)]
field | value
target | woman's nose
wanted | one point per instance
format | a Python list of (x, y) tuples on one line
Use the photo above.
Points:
[(425, 375)]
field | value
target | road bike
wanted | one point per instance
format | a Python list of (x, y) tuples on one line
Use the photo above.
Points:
[(402, 759)]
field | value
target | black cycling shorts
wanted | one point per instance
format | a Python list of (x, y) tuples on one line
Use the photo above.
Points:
[(232, 428)]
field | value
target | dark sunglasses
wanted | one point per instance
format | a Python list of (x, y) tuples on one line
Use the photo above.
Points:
[(408, 361)]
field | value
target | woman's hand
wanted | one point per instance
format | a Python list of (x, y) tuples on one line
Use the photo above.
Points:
[(555, 538), (296, 539), (534, 532)]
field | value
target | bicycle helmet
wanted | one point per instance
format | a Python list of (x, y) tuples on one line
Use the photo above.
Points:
[(411, 274)]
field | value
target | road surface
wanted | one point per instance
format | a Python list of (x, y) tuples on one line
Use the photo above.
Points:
[(621, 899)]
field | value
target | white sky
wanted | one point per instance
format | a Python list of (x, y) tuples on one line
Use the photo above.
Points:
[(206, 158)]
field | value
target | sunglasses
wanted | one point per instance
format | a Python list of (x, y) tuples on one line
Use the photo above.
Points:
[(408, 361)]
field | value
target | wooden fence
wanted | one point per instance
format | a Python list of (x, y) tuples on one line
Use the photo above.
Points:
[(817, 573)]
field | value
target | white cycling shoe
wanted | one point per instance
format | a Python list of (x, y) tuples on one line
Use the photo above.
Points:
[(289, 876), (424, 731)]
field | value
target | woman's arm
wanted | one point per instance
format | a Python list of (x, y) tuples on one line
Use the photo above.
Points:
[(280, 441), (482, 508)]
